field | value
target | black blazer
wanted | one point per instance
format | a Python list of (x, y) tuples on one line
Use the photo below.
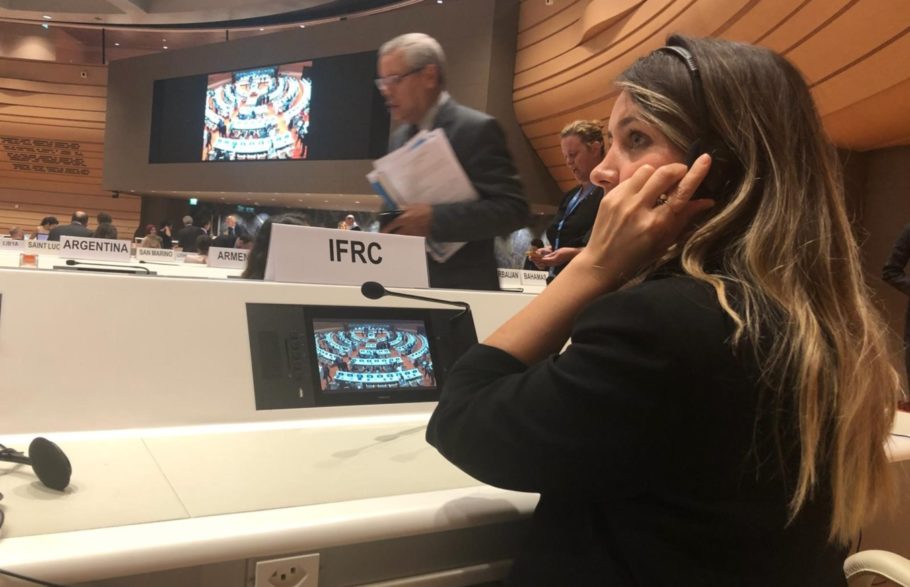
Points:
[(480, 146), (577, 228), (186, 237), (639, 438), (73, 229)]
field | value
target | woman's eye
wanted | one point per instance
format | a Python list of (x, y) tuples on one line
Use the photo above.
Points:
[(637, 139)]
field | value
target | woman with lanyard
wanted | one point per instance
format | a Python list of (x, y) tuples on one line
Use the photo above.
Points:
[(582, 146)]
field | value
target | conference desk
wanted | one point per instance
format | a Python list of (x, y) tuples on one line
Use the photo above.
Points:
[(213, 497), (178, 269), (179, 481), (146, 384)]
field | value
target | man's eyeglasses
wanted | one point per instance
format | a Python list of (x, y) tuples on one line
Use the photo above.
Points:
[(393, 80)]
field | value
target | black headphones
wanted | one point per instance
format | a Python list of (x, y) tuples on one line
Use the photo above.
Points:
[(726, 169), (50, 464)]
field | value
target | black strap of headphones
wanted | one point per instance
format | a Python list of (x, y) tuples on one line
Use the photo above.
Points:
[(692, 67)]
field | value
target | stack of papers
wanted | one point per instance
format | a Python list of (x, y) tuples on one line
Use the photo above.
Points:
[(424, 170)]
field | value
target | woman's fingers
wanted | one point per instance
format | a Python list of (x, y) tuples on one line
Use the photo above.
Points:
[(690, 181)]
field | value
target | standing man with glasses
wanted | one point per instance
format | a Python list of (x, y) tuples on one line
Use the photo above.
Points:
[(412, 81)]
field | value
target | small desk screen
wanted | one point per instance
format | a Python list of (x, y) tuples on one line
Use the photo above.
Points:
[(372, 355)]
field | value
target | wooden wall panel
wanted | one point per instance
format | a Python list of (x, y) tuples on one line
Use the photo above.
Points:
[(52, 146), (852, 52)]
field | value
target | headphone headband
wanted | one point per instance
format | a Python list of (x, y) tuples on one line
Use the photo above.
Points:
[(688, 59), (725, 167)]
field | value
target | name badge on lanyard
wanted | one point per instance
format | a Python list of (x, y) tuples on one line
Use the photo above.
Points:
[(577, 199)]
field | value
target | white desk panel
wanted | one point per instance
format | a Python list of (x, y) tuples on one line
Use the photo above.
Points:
[(92, 351), (90, 555), (198, 270), (244, 471), (114, 483)]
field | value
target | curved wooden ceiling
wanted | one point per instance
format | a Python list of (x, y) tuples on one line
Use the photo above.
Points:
[(855, 54)]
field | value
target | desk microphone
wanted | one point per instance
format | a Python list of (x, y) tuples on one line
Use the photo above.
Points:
[(375, 290), (109, 267), (48, 461)]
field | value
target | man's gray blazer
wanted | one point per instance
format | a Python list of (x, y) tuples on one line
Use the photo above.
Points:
[(480, 146)]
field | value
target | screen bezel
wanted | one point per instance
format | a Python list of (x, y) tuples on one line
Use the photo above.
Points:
[(385, 395)]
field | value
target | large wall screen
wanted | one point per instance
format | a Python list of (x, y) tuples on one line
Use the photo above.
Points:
[(318, 109)]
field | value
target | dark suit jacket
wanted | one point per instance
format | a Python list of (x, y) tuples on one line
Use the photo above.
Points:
[(639, 438), (186, 237), (73, 229), (228, 237), (480, 146)]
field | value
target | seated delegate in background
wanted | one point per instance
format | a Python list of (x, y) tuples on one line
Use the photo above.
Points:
[(202, 246), (529, 265), (47, 223), (722, 422), (228, 237), (151, 240), (105, 230), (164, 231), (186, 236), (77, 227), (245, 242), (106, 218), (582, 145), (256, 260)]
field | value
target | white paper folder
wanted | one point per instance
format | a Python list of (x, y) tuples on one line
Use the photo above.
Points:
[(424, 170)]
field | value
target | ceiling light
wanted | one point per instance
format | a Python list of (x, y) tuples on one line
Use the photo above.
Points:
[(46, 17), (261, 29), (165, 47), (116, 44), (303, 26)]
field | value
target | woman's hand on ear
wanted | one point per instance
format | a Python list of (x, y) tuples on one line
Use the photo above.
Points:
[(643, 216)]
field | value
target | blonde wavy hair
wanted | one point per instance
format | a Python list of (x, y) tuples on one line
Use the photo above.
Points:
[(782, 240), (589, 131)]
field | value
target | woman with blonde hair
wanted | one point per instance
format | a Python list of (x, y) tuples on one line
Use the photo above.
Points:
[(582, 145), (723, 421)]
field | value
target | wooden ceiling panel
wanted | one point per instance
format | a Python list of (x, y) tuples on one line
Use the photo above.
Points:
[(881, 120), (760, 18), (877, 72), (854, 52), (560, 20), (565, 62), (861, 30), (535, 12), (798, 24)]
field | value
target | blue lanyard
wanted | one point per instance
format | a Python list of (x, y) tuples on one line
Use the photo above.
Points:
[(577, 199)]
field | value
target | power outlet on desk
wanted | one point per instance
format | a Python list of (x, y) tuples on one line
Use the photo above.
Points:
[(292, 571)]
